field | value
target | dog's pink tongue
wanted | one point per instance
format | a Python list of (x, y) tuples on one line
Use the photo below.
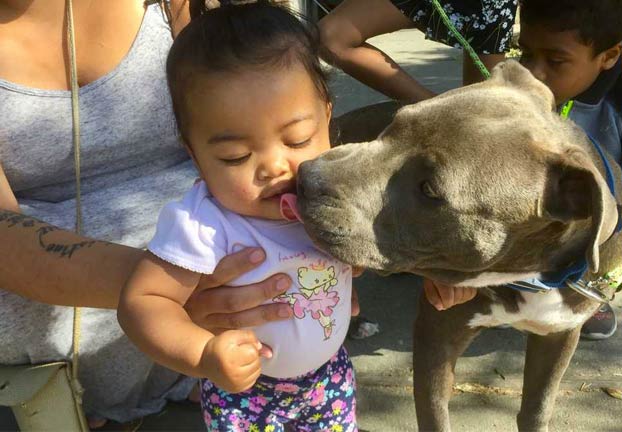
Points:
[(288, 207)]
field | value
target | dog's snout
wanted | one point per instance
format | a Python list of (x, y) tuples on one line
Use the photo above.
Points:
[(308, 180), (300, 188), (335, 155)]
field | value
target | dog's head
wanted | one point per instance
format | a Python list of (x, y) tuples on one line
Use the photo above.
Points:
[(482, 185)]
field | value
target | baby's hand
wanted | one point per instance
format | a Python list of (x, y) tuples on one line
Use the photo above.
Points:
[(232, 360)]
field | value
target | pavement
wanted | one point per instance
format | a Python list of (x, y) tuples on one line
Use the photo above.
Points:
[(489, 375)]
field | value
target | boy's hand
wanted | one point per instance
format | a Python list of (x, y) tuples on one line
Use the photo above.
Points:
[(356, 308), (443, 297), (357, 271), (232, 360)]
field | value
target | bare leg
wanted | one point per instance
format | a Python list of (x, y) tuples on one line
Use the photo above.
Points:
[(545, 364), (471, 74), (440, 338), (343, 34)]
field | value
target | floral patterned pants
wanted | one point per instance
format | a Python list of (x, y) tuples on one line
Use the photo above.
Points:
[(322, 400)]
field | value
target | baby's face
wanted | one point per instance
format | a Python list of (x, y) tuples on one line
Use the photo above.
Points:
[(561, 60), (249, 131)]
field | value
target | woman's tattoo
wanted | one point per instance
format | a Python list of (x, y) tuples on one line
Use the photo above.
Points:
[(42, 230)]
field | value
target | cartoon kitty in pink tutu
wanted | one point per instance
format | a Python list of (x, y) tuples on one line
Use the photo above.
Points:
[(315, 295)]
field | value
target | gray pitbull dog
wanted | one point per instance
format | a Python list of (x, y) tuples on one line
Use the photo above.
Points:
[(481, 186)]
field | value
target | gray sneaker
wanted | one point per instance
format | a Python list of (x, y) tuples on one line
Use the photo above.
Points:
[(601, 325)]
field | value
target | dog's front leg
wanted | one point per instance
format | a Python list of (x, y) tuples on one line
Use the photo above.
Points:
[(545, 364), (439, 339)]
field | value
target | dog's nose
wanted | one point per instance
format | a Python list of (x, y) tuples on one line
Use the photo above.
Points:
[(300, 188), (308, 180)]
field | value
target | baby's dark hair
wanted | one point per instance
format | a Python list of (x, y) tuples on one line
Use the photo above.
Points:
[(234, 38), (598, 22)]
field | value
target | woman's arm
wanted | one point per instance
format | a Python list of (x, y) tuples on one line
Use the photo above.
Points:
[(7, 198), (55, 266), (51, 265), (343, 33)]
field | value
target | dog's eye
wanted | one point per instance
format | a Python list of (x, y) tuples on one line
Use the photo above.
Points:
[(428, 190)]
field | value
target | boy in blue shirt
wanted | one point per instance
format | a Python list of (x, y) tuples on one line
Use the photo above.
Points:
[(574, 47)]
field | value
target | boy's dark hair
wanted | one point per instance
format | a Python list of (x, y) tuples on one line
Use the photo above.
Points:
[(233, 38), (598, 22)]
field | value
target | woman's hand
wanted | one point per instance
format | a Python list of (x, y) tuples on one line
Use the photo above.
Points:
[(445, 296), (218, 307)]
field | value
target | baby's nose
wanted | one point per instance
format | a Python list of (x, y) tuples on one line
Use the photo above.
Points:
[(274, 168)]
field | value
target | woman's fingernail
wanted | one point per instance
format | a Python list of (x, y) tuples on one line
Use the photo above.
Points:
[(282, 284), (256, 256), (284, 312)]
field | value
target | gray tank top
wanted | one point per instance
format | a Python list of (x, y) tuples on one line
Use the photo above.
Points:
[(132, 164)]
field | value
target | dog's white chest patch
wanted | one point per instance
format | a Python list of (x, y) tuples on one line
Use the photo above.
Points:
[(541, 313), (491, 278)]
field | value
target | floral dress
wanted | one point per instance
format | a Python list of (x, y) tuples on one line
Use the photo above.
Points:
[(485, 24)]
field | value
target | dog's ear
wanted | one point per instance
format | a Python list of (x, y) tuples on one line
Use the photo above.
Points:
[(512, 73), (575, 190)]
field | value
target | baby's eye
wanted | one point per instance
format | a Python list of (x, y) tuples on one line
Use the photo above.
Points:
[(236, 161), (299, 144)]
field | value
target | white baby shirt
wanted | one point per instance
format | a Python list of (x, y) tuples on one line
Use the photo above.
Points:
[(197, 232)]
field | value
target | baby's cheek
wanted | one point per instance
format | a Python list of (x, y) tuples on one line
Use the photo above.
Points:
[(243, 192), (233, 191)]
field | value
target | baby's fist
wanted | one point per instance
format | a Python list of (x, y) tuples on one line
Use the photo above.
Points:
[(232, 360)]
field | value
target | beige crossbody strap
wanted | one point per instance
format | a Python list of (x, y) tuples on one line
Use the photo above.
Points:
[(75, 109), (165, 6)]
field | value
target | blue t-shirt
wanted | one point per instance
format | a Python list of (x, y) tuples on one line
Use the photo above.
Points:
[(603, 122), (598, 111)]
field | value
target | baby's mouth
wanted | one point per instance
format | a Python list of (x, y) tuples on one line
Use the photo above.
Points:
[(276, 191)]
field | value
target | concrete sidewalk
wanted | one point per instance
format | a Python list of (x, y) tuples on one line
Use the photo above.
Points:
[(490, 372)]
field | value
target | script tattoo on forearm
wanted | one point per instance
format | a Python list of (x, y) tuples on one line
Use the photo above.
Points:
[(42, 230)]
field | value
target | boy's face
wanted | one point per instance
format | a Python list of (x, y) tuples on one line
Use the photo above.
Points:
[(562, 61), (249, 131)]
